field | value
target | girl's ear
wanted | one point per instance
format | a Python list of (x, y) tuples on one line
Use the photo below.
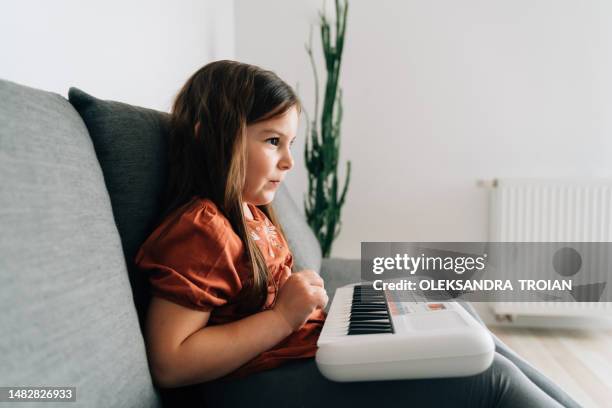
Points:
[(197, 127)]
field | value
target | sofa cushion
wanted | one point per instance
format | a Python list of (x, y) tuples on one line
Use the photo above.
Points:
[(130, 145), (68, 317), (302, 241)]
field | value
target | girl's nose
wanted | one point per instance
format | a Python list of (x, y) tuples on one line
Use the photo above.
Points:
[(286, 162)]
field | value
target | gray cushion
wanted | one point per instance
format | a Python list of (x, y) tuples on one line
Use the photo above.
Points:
[(337, 272), (68, 317), (129, 142), (130, 145), (302, 241)]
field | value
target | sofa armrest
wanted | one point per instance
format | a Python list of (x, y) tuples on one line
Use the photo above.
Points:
[(337, 272)]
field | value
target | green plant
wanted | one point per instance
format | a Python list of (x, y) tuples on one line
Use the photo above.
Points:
[(322, 205)]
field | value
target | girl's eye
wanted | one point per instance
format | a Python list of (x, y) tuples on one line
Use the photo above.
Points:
[(274, 139)]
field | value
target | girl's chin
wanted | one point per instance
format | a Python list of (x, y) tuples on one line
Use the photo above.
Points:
[(263, 198)]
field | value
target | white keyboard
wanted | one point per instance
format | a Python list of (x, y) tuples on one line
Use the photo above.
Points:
[(371, 335)]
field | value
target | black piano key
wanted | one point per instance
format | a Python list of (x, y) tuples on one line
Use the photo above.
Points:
[(374, 329), (375, 299), (365, 322), (371, 319), (368, 313), (373, 311), (368, 317), (373, 314), (369, 325), (369, 307), (354, 323), (368, 331), (369, 300), (384, 327)]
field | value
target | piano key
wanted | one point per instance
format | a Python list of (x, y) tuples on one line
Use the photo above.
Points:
[(370, 319), (368, 311), (383, 329), (372, 313), (380, 301), (373, 304), (368, 331), (369, 324), (369, 307), (357, 310)]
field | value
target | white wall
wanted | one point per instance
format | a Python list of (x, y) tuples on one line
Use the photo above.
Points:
[(135, 51), (439, 94)]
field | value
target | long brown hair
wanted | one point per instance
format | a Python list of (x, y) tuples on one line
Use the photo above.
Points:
[(222, 98)]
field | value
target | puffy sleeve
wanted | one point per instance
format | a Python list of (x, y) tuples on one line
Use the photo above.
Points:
[(191, 259)]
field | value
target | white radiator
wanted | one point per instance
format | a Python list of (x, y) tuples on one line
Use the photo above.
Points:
[(524, 210)]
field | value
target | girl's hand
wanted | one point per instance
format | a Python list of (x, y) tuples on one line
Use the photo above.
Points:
[(301, 293), (286, 274)]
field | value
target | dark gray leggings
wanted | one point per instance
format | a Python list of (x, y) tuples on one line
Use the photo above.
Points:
[(510, 381), (299, 384)]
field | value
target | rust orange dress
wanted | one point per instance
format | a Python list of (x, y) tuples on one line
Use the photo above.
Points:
[(199, 262)]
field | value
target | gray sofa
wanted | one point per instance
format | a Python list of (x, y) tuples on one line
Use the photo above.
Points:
[(80, 186)]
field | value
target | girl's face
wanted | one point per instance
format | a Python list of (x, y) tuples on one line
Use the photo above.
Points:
[(269, 156)]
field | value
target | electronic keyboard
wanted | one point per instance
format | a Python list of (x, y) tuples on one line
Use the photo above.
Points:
[(372, 335)]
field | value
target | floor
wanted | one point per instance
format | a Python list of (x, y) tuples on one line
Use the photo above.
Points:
[(579, 360)]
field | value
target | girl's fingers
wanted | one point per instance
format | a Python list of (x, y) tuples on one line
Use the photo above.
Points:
[(314, 278), (322, 298), (308, 275), (285, 275)]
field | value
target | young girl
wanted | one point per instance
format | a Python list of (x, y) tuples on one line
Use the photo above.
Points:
[(226, 304)]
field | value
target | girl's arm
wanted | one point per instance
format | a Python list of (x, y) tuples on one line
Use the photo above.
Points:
[(183, 351)]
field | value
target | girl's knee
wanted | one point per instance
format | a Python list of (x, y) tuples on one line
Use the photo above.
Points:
[(503, 374), (501, 365), (510, 387)]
